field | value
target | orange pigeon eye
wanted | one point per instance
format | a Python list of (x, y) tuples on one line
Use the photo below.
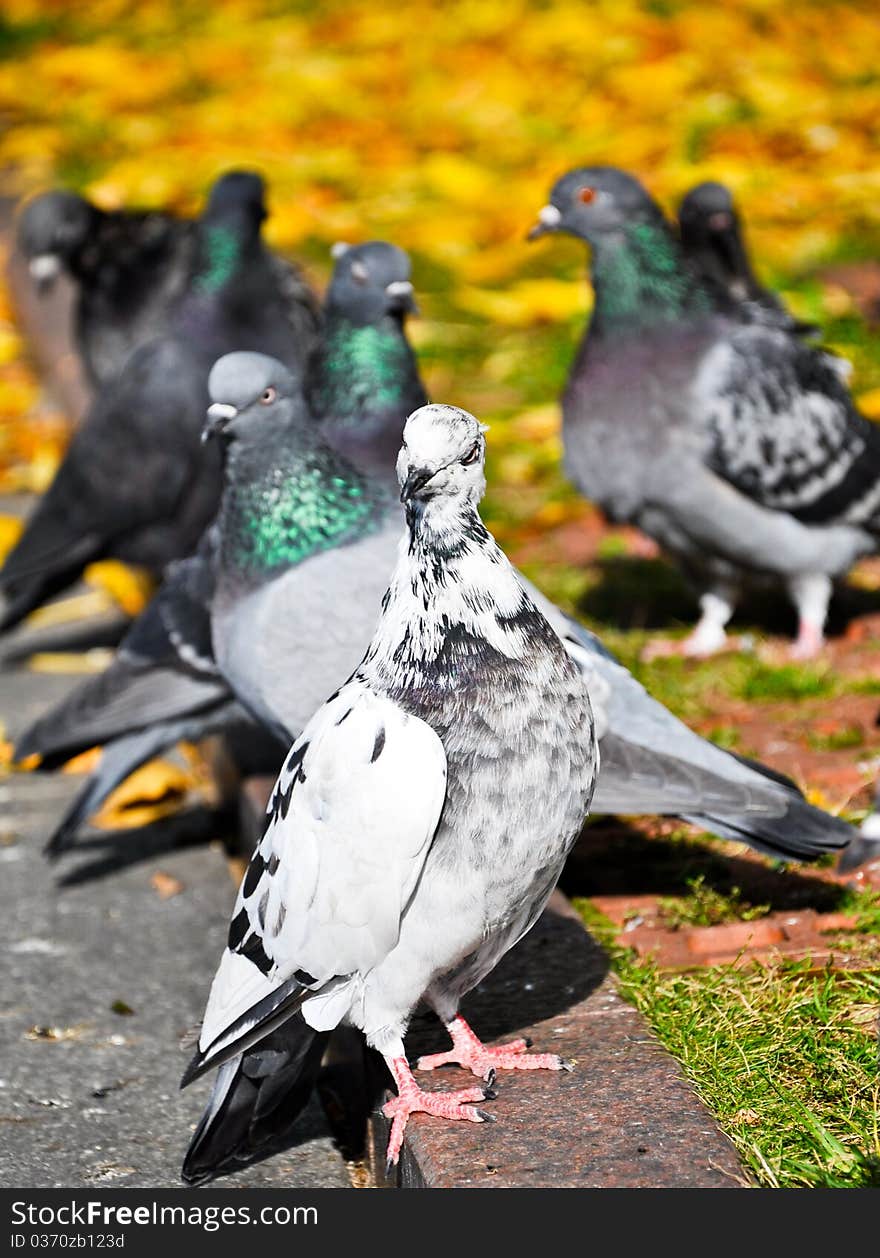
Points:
[(587, 195), (268, 396)]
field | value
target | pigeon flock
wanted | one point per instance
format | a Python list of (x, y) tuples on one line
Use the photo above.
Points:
[(328, 594)]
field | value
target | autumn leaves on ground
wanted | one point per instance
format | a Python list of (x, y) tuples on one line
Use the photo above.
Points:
[(441, 128)]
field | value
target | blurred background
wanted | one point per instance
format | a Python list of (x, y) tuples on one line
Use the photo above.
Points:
[(442, 128)]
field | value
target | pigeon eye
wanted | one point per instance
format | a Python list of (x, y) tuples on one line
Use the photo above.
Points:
[(359, 272), (472, 455), (587, 195), (268, 396)]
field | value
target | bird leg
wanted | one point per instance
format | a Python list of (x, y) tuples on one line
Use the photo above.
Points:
[(708, 636), (483, 1060), (811, 595), (411, 1099)]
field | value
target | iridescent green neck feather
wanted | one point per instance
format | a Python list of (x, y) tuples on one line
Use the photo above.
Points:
[(221, 249), (640, 280), (364, 369), (279, 519)]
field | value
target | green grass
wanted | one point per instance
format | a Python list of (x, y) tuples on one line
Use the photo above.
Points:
[(705, 906), (786, 1059), (838, 740)]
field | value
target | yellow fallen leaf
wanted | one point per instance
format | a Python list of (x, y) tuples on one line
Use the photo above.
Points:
[(77, 607), (869, 403), (93, 661), (836, 300), (10, 531), (539, 423), (10, 345), (165, 885), (85, 762), (153, 791), (527, 302), (131, 588)]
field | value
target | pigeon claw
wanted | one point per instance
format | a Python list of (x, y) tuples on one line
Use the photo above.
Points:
[(485, 1060), (451, 1105)]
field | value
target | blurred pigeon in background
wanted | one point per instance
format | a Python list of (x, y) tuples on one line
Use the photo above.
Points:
[(416, 830), (363, 378), (163, 685), (736, 446), (130, 269), (136, 482), (712, 239), (279, 602)]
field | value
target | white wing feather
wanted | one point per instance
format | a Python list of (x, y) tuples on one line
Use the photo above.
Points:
[(351, 820)]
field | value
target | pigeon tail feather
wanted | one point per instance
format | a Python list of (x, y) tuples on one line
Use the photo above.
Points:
[(255, 1100)]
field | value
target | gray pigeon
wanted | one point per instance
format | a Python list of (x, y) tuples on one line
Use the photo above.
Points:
[(130, 269), (279, 602), (736, 446), (136, 483), (363, 377), (417, 828)]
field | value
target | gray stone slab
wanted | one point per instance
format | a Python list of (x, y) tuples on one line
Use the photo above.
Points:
[(93, 1098)]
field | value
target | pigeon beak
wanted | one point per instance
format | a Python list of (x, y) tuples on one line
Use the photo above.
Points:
[(44, 268), (400, 297), (417, 479), (549, 219), (219, 415)]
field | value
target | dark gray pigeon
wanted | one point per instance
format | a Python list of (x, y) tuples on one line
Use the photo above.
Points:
[(363, 378), (135, 709), (136, 483), (280, 600), (416, 830), (735, 445), (130, 268), (712, 239)]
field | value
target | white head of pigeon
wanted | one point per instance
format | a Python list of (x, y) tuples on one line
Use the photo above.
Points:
[(442, 458), (443, 785)]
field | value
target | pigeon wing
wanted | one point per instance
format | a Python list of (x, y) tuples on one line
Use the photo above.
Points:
[(350, 822), (783, 429)]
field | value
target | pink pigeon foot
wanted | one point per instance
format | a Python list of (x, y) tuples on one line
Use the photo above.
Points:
[(809, 642), (483, 1060), (411, 1099)]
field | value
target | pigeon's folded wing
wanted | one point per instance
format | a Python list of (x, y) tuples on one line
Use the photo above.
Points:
[(183, 604), (783, 429), (153, 678), (350, 822)]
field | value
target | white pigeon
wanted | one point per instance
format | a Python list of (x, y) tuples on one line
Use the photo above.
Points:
[(417, 828)]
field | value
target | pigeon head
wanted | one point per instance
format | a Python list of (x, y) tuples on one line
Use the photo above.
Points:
[(53, 227), (595, 201), (710, 235), (369, 282), (241, 192), (706, 210), (442, 455), (246, 391)]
